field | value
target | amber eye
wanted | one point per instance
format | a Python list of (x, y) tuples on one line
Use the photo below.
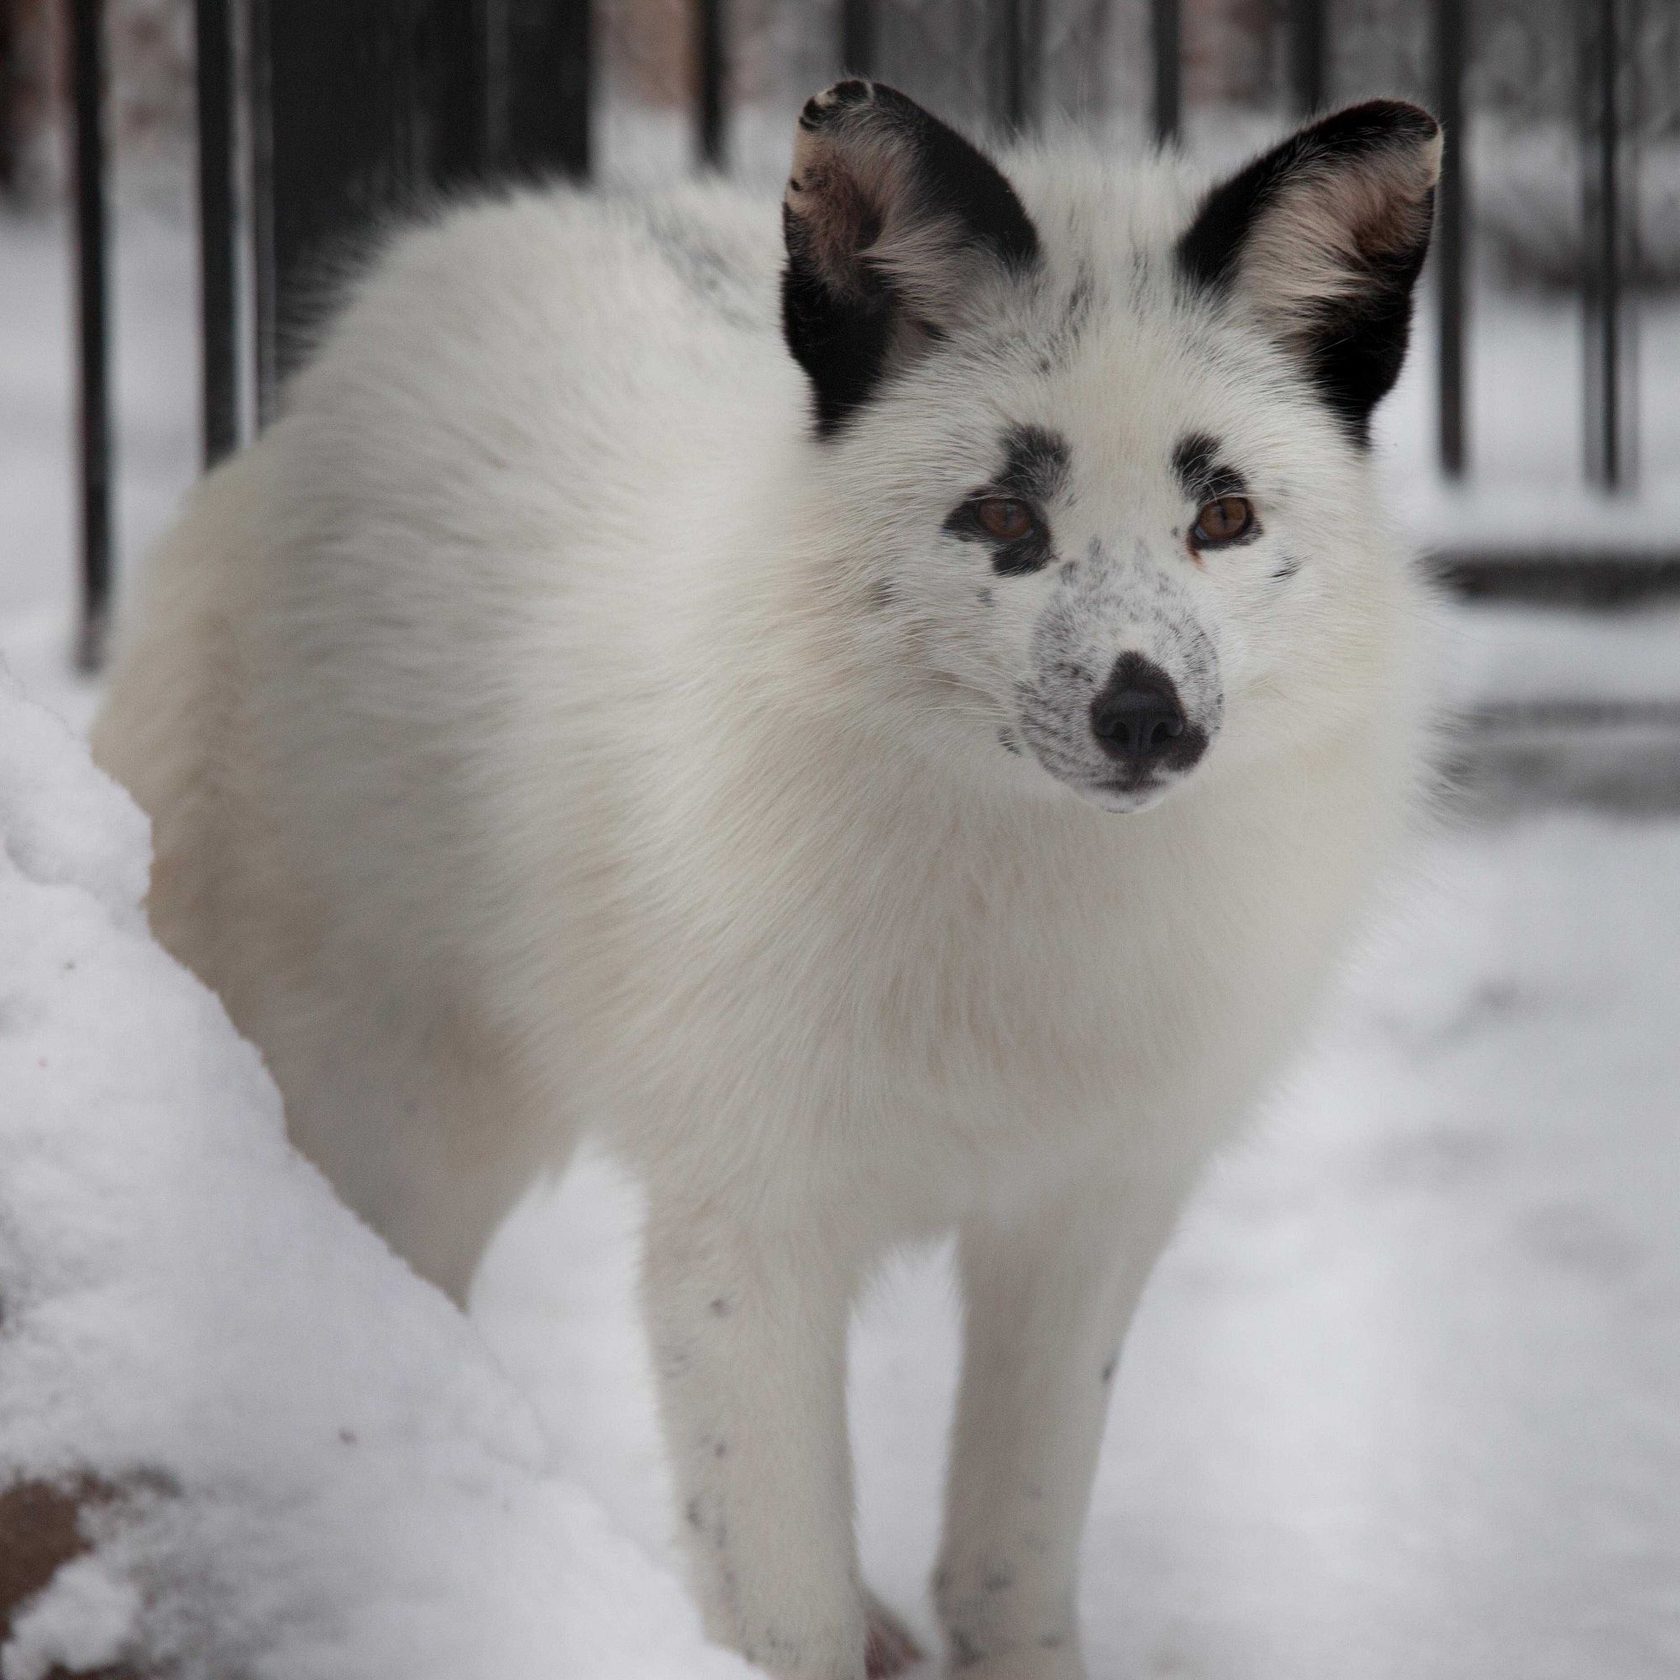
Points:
[(1004, 518), (1226, 519)]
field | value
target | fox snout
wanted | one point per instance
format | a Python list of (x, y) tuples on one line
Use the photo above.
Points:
[(1138, 720)]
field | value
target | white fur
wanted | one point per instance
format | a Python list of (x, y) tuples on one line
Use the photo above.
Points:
[(542, 729)]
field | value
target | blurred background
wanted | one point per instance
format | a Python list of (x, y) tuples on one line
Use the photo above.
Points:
[(152, 282), (1404, 1398)]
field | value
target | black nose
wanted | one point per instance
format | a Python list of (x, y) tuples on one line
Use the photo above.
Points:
[(1137, 717)]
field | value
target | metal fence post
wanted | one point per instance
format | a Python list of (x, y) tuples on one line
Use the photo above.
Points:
[(1608, 37), (1451, 256), (218, 230), (359, 112), (1014, 44), (87, 67), (1166, 60), (8, 99), (537, 68), (1308, 55), (711, 139), (857, 37)]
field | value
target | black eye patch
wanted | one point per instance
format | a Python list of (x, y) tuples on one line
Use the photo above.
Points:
[(1035, 464), (1202, 474), (1035, 469)]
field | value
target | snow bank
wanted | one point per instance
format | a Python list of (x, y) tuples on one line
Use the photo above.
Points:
[(237, 1436)]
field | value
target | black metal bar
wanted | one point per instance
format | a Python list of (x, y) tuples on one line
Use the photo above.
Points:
[(87, 78), (447, 91), (361, 111), (1569, 578), (1164, 41), (218, 230), (711, 69), (1308, 55), (265, 291), (857, 37), (345, 132), (1608, 38), (8, 98), (1451, 253), (1015, 45), (541, 72)]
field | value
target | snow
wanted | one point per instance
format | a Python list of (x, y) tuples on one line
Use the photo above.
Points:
[(1402, 1396), (308, 1463)]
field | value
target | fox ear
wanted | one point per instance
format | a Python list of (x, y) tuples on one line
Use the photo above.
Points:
[(1322, 238), (892, 221)]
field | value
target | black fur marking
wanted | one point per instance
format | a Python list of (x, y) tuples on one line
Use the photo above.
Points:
[(985, 597), (1078, 302), (1201, 474), (842, 346), (781, 1651), (842, 329), (1035, 470), (1287, 570), (1008, 742), (1192, 460), (1355, 346), (1035, 463)]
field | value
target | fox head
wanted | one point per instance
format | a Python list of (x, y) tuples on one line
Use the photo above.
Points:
[(1095, 439)]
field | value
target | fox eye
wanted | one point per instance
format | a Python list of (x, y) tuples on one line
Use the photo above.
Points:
[(1226, 519), (1005, 518)]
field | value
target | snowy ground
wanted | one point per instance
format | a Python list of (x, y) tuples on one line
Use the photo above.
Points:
[(1404, 1399)]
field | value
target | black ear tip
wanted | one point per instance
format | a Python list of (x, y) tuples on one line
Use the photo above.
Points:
[(1390, 119), (825, 106), (1406, 118), (853, 94)]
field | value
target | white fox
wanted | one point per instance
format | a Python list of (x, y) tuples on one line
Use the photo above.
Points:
[(901, 763)]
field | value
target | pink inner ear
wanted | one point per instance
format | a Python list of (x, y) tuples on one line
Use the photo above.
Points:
[(855, 193), (1331, 219), (845, 182)]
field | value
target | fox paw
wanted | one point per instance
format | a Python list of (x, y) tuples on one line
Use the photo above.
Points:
[(890, 1649)]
